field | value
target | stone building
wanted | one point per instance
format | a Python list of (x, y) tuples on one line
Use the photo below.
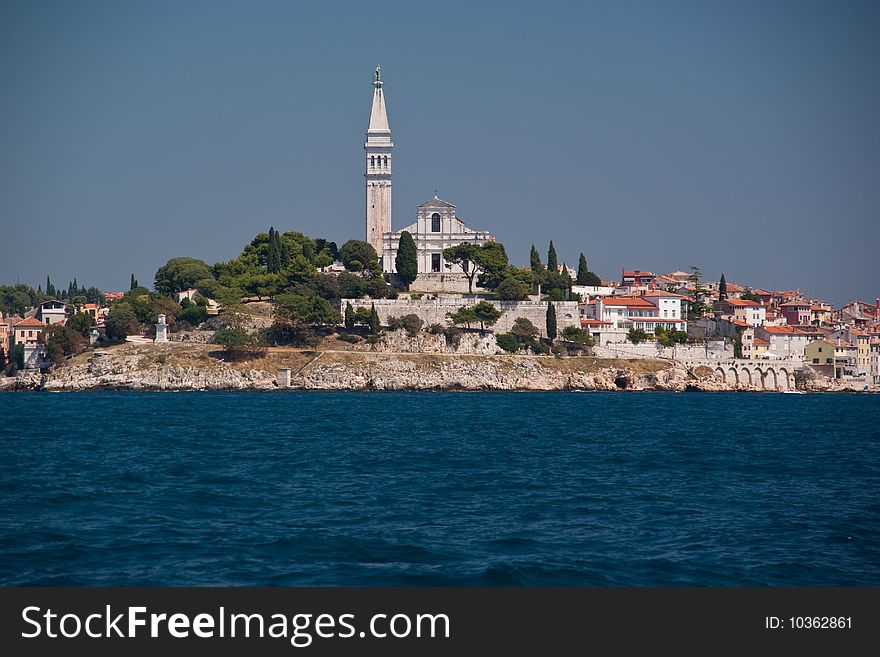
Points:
[(437, 225)]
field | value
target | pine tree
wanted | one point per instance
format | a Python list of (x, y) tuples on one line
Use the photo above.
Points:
[(552, 262), (535, 260), (551, 321), (406, 262), (374, 320), (583, 270), (722, 289)]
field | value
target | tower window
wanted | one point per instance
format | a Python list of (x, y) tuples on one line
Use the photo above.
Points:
[(372, 161), (435, 225), (385, 164), (435, 261)]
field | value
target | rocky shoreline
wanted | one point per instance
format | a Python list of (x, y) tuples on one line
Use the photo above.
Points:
[(201, 367)]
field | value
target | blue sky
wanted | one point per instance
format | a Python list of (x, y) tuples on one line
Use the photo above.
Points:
[(741, 137)]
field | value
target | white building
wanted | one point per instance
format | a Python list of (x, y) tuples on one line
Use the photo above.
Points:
[(784, 341), (647, 312), (51, 312), (437, 225)]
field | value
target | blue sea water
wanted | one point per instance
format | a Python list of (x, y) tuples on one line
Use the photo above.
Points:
[(459, 489)]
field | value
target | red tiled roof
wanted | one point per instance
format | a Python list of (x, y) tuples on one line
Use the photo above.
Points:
[(784, 330), (742, 302), (629, 302), (793, 304), (594, 322), (759, 341), (30, 322), (627, 274), (761, 292)]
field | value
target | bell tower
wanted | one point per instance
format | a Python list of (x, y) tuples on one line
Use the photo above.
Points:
[(378, 169)]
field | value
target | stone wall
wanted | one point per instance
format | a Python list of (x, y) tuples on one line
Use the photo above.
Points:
[(433, 311)]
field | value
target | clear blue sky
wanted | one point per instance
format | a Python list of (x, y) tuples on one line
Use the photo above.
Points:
[(743, 137)]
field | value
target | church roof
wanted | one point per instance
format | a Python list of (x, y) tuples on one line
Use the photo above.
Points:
[(435, 203), (378, 116)]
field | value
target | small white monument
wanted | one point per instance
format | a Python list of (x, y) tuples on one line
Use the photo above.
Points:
[(161, 330)]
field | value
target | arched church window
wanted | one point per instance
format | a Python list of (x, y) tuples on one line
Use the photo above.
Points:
[(435, 223)]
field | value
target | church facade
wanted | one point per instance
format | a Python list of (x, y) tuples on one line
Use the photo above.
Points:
[(437, 224)]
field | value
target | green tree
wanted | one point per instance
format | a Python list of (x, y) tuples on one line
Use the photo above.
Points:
[(512, 288), (551, 321), (375, 327), (121, 322), (535, 260), (359, 256), (82, 323), (486, 314), (193, 315), (349, 316), (508, 342), (180, 274), (464, 315), (62, 341), (406, 262), (722, 289), (552, 262), (489, 259), (636, 336), (698, 307), (524, 330), (578, 336), (235, 341), (310, 309)]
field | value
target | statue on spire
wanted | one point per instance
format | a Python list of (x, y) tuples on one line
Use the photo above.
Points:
[(378, 73)]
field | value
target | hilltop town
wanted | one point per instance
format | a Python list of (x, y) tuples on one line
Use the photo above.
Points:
[(435, 304)]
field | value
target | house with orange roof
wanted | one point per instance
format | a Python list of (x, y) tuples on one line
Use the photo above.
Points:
[(743, 310), (647, 312), (785, 341), (26, 333), (796, 313), (637, 279)]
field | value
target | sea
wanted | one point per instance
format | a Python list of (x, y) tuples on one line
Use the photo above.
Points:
[(439, 489)]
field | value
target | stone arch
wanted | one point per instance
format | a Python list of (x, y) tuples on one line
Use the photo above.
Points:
[(772, 380), (759, 378), (719, 375), (746, 375), (784, 382), (732, 376)]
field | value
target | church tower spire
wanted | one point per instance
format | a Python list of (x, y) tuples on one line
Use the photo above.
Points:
[(378, 169)]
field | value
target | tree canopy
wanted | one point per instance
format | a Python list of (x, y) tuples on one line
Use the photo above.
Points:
[(406, 263)]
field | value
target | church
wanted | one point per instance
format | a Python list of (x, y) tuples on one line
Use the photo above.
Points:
[(437, 225)]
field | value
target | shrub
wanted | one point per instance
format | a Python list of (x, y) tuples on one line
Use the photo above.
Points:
[(193, 314), (348, 337), (412, 323), (578, 336), (507, 341)]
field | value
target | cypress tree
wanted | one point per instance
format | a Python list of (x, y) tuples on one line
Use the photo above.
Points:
[(535, 260), (551, 321), (722, 289), (349, 316), (583, 270), (406, 262), (133, 283), (374, 320), (552, 262), (271, 262)]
